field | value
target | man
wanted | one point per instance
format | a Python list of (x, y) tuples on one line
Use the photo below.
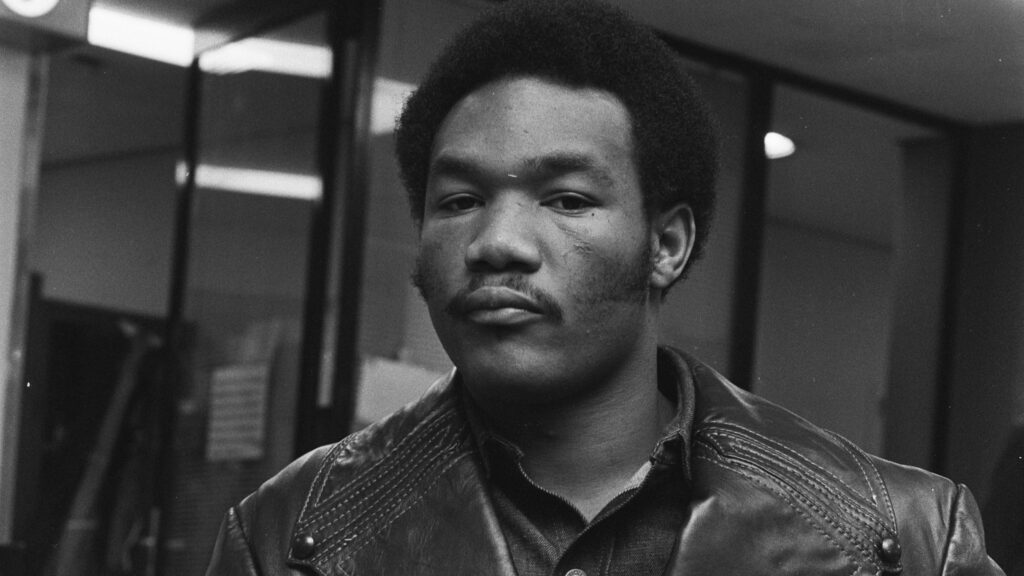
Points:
[(560, 169)]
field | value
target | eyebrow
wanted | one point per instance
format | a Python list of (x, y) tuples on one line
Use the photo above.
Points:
[(539, 167)]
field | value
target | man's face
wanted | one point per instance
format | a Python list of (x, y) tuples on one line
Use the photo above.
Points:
[(535, 251)]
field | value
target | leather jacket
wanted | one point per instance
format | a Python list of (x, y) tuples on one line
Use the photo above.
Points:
[(770, 493)]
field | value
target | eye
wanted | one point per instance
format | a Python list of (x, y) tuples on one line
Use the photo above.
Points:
[(571, 203), (458, 203)]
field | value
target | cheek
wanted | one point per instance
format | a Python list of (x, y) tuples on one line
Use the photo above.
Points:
[(430, 275), (608, 273)]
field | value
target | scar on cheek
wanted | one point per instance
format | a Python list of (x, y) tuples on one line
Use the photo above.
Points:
[(582, 248)]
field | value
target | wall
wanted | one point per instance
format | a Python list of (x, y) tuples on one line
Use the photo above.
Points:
[(988, 371), (826, 298), (823, 329), (920, 293)]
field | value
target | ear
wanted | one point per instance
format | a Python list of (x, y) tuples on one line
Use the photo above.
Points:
[(672, 235)]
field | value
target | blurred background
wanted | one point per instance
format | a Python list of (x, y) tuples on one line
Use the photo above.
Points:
[(205, 249)]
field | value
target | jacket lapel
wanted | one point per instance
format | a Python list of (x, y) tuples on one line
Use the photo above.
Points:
[(404, 496)]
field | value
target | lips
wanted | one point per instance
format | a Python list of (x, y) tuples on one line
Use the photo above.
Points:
[(497, 297), (498, 305)]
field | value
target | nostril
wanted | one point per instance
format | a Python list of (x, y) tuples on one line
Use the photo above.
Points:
[(502, 252)]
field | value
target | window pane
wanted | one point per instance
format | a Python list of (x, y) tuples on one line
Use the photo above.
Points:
[(257, 186), (400, 353), (843, 212)]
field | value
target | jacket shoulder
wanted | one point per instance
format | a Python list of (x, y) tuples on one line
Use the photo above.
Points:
[(293, 506), (265, 518), (888, 516)]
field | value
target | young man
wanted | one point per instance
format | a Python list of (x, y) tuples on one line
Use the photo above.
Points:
[(561, 170)]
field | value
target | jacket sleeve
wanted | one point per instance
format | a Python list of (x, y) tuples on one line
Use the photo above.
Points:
[(965, 549), (231, 553)]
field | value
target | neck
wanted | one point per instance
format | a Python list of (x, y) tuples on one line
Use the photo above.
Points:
[(586, 449)]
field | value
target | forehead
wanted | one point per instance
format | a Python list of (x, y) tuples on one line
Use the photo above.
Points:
[(515, 119)]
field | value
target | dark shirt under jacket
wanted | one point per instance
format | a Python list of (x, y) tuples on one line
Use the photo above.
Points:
[(634, 534)]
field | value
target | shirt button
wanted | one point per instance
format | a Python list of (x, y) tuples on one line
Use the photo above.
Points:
[(303, 545), (575, 572)]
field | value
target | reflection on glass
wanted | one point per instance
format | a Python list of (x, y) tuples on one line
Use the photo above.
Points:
[(268, 55), (397, 343), (256, 187)]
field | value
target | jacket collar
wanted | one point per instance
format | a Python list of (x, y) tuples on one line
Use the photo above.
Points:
[(424, 456), (408, 495)]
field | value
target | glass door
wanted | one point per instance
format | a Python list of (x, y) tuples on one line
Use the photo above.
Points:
[(257, 186)]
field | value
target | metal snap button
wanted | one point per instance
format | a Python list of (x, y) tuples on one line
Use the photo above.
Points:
[(303, 545), (889, 550), (575, 572)]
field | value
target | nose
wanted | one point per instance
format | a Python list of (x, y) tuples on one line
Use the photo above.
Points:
[(505, 239)]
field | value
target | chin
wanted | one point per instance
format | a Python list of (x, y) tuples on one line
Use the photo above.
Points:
[(520, 376)]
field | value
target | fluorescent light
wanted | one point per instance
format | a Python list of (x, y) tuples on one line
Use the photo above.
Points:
[(777, 146), (141, 36), (275, 56), (388, 99), (31, 8), (249, 181)]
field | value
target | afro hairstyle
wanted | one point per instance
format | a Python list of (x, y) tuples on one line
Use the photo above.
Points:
[(578, 43)]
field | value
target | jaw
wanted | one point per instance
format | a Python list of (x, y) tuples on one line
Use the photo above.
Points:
[(547, 364)]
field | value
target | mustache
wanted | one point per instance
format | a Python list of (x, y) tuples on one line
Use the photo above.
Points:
[(458, 305)]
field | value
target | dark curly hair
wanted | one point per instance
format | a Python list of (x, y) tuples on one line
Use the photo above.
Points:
[(579, 43)]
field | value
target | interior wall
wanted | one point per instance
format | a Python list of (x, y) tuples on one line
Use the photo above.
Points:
[(987, 395), (823, 329), (920, 290)]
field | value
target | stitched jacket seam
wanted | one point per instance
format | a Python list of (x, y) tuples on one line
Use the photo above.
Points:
[(842, 501), (409, 505), (362, 488), (840, 527), (857, 461), (783, 449), (851, 448), (384, 464), (798, 468), (371, 514), (787, 498), (763, 465)]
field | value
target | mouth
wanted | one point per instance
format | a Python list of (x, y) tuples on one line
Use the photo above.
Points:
[(499, 306)]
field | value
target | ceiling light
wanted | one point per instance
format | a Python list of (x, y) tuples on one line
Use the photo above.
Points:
[(265, 55), (249, 181), (31, 8), (778, 146), (144, 37)]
